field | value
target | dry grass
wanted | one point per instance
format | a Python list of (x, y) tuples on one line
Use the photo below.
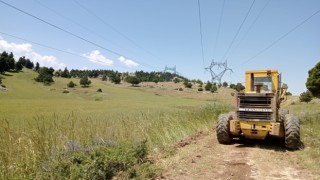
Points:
[(309, 115), (42, 130)]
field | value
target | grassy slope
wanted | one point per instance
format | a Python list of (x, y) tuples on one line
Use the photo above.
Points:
[(39, 123), (25, 99), (116, 113)]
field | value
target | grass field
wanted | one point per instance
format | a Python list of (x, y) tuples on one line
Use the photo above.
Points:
[(309, 115), (43, 130), (85, 134)]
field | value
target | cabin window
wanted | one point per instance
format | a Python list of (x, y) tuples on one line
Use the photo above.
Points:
[(267, 83)]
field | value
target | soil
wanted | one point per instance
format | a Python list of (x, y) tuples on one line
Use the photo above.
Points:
[(202, 157)]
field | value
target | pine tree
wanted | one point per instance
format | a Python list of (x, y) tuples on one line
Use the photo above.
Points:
[(84, 81)]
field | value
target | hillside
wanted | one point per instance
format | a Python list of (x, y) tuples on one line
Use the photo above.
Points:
[(30, 98), (44, 131)]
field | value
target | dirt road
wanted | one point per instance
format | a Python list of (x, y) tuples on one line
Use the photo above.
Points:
[(202, 157)]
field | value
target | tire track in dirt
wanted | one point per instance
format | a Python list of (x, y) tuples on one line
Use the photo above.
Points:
[(202, 157)]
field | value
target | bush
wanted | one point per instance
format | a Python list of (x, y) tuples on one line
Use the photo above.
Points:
[(200, 89), (239, 87), (116, 79), (214, 88), (176, 80), (65, 91), (133, 80), (199, 82), (99, 90), (180, 89), (305, 96), (188, 85), (313, 81), (101, 161), (104, 78), (225, 84), (45, 75), (0, 80), (84, 81), (71, 84), (208, 86)]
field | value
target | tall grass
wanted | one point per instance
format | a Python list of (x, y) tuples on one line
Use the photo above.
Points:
[(309, 115), (310, 135), (70, 146)]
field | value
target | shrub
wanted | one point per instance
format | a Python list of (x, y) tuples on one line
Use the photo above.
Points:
[(104, 77), (45, 75), (214, 88), (239, 87), (116, 79), (176, 80), (180, 89), (101, 161), (84, 81), (71, 84), (133, 80), (200, 89), (65, 91), (288, 93), (305, 96), (225, 84), (208, 86), (188, 85), (99, 90)]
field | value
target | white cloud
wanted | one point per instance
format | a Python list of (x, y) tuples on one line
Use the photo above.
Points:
[(25, 49), (84, 68), (128, 62), (96, 57)]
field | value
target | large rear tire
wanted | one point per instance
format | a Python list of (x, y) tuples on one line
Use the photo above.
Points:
[(292, 132), (223, 129), (283, 113)]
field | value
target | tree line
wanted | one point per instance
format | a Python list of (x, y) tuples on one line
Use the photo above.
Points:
[(9, 64)]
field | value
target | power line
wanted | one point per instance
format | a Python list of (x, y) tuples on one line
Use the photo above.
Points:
[(70, 20), (219, 26), (39, 44), (76, 23), (238, 30), (279, 39), (253, 23), (200, 23), (49, 47), (68, 32), (110, 26)]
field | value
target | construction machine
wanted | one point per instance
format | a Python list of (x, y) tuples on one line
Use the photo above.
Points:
[(257, 112)]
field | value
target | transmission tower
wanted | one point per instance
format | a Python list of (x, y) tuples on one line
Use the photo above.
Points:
[(173, 69), (216, 77)]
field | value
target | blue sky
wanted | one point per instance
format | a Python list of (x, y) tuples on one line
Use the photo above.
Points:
[(150, 34)]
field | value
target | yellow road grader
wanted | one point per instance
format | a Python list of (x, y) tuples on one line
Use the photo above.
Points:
[(257, 112)]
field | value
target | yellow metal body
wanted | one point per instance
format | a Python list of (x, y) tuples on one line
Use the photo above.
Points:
[(256, 128), (262, 73)]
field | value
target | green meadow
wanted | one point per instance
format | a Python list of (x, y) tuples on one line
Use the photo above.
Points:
[(49, 134), (85, 134)]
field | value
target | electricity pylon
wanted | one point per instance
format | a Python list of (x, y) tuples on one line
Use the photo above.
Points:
[(216, 77)]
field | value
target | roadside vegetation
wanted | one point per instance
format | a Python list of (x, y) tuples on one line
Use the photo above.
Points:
[(309, 115), (45, 134)]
